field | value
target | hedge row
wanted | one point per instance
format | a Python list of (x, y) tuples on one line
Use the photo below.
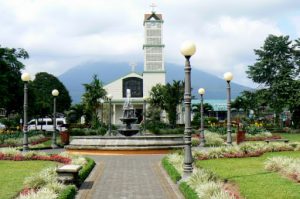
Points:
[(70, 191), (186, 190), (173, 173), (86, 170)]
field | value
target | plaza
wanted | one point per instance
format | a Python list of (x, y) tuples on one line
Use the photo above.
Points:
[(122, 100)]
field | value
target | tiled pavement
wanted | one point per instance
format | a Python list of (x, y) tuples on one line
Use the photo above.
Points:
[(128, 177)]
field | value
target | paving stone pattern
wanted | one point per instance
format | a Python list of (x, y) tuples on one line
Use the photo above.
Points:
[(129, 177)]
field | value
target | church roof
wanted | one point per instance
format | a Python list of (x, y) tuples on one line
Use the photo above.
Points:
[(154, 15), (131, 74)]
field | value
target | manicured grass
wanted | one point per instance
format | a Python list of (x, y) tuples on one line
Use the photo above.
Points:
[(290, 136), (13, 173), (251, 177)]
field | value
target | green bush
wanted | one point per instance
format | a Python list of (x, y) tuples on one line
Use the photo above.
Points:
[(173, 173), (220, 129), (253, 130), (154, 126), (87, 131), (187, 191), (195, 142), (68, 193), (85, 171), (169, 131)]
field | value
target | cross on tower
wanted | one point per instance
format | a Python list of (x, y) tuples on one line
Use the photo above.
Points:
[(153, 5), (133, 65)]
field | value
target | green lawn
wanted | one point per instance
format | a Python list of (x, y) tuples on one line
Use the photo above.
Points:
[(251, 177), (289, 136), (13, 173)]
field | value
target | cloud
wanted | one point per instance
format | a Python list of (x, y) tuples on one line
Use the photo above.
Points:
[(61, 34)]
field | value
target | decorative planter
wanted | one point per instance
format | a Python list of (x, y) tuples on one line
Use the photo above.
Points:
[(240, 137), (65, 137)]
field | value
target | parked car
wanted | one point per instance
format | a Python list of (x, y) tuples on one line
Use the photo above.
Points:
[(2, 126), (46, 124)]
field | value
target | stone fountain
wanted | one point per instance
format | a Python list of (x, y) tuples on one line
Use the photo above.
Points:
[(125, 140), (128, 118)]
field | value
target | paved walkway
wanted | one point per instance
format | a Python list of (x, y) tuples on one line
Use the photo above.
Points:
[(128, 177)]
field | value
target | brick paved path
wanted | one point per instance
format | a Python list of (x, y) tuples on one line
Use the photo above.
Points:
[(128, 177)]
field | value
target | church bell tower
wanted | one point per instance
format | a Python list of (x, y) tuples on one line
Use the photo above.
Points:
[(154, 69)]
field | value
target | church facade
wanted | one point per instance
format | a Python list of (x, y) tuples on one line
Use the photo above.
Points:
[(153, 73)]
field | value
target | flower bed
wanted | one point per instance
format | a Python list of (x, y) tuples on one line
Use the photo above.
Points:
[(15, 155), (201, 184), (289, 167), (45, 184), (16, 139), (244, 150)]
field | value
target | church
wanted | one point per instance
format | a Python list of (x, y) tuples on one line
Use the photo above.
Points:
[(153, 73)]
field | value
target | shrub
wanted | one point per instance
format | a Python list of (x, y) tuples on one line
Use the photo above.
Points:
[(213, 139), (187, 191), (176, 160), (207, 189), (277, 163), (68, 193), (200, 176), (288, 167), (253, 129), (195, 142), (40, 194), (40, 179), (173, 173), (87, 131), (86, 169), (222, 195), (55, 186), (10, 151)]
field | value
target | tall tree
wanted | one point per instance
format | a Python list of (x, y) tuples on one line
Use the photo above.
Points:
[(93, 92), (277, 68), (168, 97), (11, 87), (42, 87)]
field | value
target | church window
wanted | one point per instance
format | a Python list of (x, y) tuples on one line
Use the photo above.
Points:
[(135, 85)]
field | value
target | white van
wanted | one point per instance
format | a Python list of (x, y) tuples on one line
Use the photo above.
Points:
[(46, 124)]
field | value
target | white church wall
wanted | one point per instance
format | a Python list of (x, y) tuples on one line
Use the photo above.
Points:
[(150, 80), (116, 87)]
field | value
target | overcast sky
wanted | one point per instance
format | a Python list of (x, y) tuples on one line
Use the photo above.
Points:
[(60, 34)]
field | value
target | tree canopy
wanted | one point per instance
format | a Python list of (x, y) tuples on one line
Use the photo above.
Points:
[(277, 69), (41, 88), (93, 92), (168, 97), (11, 87)]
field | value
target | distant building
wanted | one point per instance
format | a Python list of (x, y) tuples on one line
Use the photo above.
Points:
[(154, 70)]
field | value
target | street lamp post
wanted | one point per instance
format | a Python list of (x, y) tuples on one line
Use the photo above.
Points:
[(101, 102), (228, 77), (55, 93), (187, 49), (109, 97), (25, 78), (201, 92), (145, 98)]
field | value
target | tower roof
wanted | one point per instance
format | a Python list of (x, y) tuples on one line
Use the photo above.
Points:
[(152, 15)]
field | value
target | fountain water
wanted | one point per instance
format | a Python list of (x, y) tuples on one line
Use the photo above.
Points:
[(128, 118)]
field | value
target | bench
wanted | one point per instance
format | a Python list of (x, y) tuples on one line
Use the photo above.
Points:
[(68, 174), (277, 140)]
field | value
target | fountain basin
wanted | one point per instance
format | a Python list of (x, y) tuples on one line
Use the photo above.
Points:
[(128, 132), (127, 143)]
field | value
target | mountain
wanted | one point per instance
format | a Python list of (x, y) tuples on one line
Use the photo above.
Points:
[(74, 78)]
